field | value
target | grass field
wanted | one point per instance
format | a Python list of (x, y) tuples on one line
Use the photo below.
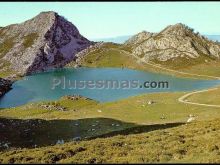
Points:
[(211, 68), (32, 124), (195, 142), (134, 109), (210, 97)]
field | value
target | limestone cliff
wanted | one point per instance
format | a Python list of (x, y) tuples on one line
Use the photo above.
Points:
[(43, 42)]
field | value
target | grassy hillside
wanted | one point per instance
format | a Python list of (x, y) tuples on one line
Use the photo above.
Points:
[(211, 68), (109, 55), (136, 108), (210, 97), (33, 124), (186, 143), (183, 63), (115, 55)]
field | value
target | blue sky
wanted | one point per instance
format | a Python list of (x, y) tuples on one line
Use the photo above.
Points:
[(111, 19)]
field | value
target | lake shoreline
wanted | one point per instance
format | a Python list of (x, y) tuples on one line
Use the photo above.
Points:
[(5, 86), (39, 86)]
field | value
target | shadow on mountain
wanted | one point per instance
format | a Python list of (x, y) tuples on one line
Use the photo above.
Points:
[(37, 132)]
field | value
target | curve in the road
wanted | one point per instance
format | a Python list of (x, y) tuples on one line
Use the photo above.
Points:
[(182, 99)]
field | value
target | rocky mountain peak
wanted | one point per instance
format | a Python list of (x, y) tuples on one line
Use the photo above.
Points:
[(179, 26), (175, 41), (43, 19), (177, 29), (43, 42), (48, 13), (138, 38), (45, 15)]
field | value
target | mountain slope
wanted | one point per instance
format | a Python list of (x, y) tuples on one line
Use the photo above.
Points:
[(196, 142), (175, 42), (46, 41)]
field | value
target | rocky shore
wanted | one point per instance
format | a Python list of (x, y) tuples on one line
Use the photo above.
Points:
[(5, 86)]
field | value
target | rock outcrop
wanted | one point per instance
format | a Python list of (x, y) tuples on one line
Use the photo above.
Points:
[(46, 41), (173, 42), (5, 86)]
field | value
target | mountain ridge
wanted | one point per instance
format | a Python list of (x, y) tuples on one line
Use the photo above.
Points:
[(173, 41), (49, 41), (123, 38)]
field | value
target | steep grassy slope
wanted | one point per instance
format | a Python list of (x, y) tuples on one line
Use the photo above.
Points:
[(109, 55), (195, 142)]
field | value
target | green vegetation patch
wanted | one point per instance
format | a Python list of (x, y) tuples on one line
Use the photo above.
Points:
[(5, 68), (29, 39), (1, 32), (6, 46)]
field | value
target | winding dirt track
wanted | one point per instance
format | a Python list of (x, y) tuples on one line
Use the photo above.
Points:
[(182, 99), (167, 69), (179, 72)]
